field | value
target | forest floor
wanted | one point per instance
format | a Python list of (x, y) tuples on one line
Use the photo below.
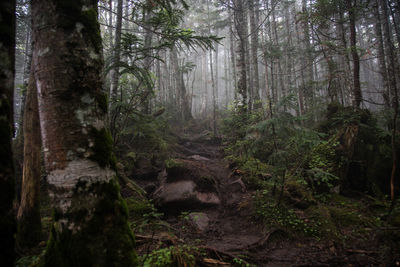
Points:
[(229, 234)]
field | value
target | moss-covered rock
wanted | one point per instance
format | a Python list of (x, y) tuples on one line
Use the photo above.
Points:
[(298, 195), (362, 156), (321, 219)]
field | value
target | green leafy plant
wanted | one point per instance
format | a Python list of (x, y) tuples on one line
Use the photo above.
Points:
[(174, 256)]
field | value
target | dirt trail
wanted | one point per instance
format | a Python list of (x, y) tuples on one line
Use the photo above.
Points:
[(229, 232), (232, 231)]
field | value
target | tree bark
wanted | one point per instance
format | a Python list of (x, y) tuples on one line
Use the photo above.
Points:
[(381, 54), (351, 6), (392, 71), (116, 55), (279, 65), (241, 52), (181, 95), (213, 80), (29, 222), (7, 72), (253, 7), (90, 225), (232, 52), (148, 36)]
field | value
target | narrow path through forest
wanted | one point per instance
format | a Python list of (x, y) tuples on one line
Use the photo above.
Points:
[(229, 231)]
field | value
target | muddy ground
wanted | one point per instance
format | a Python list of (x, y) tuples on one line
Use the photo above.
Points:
[(231, 236)]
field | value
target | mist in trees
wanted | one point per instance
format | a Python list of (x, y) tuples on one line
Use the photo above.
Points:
[(108, 102)]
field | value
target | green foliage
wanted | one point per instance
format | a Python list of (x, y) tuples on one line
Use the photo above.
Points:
[(143, 216), (324, 165), (143, 137), (171, 163), (240, 262), (174, 256), (26, 261), (277, 216)]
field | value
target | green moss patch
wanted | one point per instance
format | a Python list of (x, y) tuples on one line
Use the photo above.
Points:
[(100, 239), (103, 148)]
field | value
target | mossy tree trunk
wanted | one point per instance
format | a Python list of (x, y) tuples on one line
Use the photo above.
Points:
[(29, 224), (7, 72), (393, 70), (114, 109), (148, 60), (90, 217), (351, 7), (180, 88), (239, 16), (253, 8)]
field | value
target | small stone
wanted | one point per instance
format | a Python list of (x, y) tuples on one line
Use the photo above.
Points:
[(200, 220)]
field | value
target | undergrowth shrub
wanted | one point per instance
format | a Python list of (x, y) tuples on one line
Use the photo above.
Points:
[(280, 216), (173, 256)]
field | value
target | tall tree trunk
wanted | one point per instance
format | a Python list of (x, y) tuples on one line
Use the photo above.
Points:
[(181, 95), (351, 7), (29, 222), (7, 72), (213, 81), (227, 77), (267, 87), (392, 70), (216, 70), (90, 225), (303, 67), (110, 22), (381, 55), (239, 15), (289, 49), (18, 144), (253, 7), (279, 65), (116, 56), (344, 58), (232, 52), (309, 82), (148, 59), (274, 97), (249, 70), (395, 14)]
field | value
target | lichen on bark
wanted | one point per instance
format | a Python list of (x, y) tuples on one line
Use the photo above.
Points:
[(90, 217), (77, 241)]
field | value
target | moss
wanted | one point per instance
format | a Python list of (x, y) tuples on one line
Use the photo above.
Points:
[(172, 163), (103, 239), (73, 13), (297, 195), (102, 101), (138, 207), (344, 217), (29, 229), (92, 28), (103, 148), (322, 220)]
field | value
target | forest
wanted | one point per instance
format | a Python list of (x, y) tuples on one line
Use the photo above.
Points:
[(199, 133)]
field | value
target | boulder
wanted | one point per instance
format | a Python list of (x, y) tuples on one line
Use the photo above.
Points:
[(188, 185), (183, 195)]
